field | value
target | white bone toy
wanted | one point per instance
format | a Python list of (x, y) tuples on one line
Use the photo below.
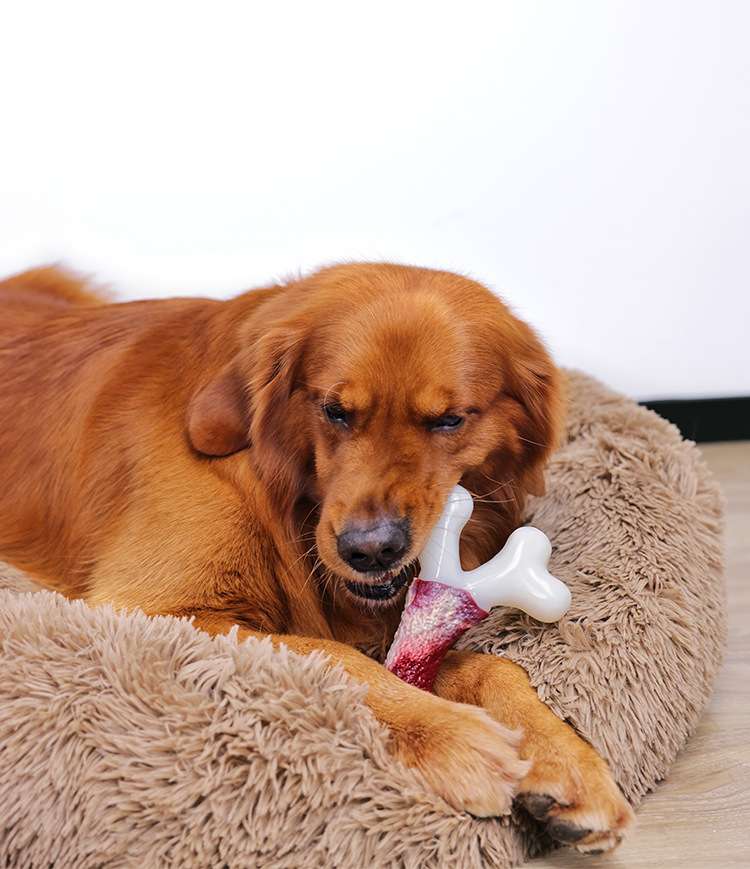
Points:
[(445, 601)]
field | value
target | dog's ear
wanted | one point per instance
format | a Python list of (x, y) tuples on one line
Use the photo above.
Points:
[(535, 393), (281, 449), (531, 408), (217, 420)]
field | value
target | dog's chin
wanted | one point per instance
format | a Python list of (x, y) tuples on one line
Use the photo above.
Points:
[(380, 590)]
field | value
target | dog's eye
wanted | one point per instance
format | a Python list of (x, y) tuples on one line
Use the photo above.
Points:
[(449, 422), (336, 413)]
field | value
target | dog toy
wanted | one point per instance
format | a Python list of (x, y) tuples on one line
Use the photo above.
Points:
[(445, 600)]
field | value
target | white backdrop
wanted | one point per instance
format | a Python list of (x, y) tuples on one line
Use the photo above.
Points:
[(588, 160)]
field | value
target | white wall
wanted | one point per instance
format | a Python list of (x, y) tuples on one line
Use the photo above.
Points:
[(589, 160)]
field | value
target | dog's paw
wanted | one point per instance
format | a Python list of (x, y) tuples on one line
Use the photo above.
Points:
[(465, 756), (571, 791)]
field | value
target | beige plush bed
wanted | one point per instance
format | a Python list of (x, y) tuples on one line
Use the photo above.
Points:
[(134, 742)]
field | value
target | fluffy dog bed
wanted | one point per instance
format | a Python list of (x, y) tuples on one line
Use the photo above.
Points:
[(129, 741)]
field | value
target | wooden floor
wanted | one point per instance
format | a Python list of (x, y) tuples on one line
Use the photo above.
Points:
[(699, 818)]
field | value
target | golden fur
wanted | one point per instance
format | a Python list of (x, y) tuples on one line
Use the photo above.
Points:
[(174, 456)]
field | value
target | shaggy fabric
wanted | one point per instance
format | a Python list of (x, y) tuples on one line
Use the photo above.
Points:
[(128, 741)]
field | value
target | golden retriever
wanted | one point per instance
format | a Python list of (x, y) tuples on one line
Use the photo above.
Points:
[(276, 461)]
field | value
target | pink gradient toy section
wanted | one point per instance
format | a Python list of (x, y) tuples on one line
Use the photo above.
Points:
[(434, 617)]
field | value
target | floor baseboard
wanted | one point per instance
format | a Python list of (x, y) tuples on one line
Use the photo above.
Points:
[(707, 419)]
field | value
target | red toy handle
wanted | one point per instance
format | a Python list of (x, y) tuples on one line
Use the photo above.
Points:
[(434, 617)]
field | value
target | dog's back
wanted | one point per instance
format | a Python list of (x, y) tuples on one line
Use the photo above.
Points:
[(42, 342), (70, 366)]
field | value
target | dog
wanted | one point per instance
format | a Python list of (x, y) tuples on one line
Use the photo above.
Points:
[(275, 462)]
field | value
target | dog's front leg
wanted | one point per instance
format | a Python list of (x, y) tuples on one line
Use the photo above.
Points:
[(465, 755), (569, 787)]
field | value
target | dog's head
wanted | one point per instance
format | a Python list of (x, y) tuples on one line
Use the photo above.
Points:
[(370, 391)]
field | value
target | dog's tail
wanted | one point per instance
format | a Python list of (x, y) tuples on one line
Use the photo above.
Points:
[(52, 285)]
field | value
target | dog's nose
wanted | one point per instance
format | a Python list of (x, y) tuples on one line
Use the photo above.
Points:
[(375, 546)]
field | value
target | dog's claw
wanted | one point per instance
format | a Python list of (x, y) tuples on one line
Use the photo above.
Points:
[(537, 805)]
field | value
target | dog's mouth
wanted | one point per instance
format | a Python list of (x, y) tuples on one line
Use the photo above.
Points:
[(386, 588)]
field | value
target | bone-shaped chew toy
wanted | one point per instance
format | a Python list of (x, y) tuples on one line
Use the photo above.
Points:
[(445, 601)]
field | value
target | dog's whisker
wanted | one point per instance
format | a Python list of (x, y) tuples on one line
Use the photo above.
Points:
[(534, 443), (496, 489), (506, 484), (308, 535), (328, 582), (509, 482), (495, 501), (483, 499), (491, 479), (479, 523), (304, 555), (310, 575), (315, 505)]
